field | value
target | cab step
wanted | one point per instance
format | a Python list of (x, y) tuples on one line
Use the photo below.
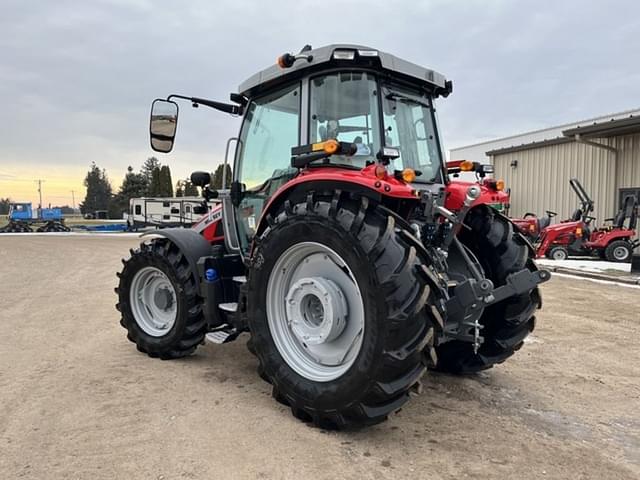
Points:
[(230, 307), (223, 334)]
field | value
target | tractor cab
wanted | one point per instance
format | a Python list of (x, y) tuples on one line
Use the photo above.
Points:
[(379, 108), (20, 211)]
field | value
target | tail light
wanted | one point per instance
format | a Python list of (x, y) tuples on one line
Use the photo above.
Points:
[(579, 231), (380, 172)]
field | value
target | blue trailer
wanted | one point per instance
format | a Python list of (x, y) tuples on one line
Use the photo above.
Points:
[(23, 220)]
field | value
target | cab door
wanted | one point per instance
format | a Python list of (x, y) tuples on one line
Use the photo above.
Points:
[(263, 158)]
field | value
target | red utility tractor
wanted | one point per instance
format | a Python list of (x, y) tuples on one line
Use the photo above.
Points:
[(531, 226), (340, 247), (579, 237)]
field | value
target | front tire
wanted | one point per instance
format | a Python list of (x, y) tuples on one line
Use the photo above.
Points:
[(340, 248), (500, 251), (158, 300), (558, 253)]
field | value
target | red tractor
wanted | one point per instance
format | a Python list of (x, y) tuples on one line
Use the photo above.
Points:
[(578, 236), (340, 246), (531, 226), (494, 194)]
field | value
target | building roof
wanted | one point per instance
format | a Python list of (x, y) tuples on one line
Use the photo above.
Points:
[(528, 146), (539, 138), (609, 128)]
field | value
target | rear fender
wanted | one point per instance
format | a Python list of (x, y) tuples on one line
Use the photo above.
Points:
[(298, 192), (600, 238)]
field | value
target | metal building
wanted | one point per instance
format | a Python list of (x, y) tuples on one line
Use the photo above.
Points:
[(603, 153)]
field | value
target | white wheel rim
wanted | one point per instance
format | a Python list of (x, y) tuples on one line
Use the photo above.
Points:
[(559, 255), (620, 253), (315, 311), (153, 300)]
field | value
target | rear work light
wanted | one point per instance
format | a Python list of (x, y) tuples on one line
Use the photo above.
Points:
[(368, 53), (330, 146)]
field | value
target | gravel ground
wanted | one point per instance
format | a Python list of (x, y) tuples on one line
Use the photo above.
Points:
[(78, 401)]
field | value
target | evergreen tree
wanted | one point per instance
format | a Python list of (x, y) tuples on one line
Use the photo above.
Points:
[(149, 165), (134, 185), (216, 183), (98, 194), (4, 205), (155, 187), (166, 184)]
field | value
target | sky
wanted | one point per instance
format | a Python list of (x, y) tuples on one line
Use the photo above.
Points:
[(77, 78)]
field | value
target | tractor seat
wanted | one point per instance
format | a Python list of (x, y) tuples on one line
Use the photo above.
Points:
[(577, 215), (543, 222)]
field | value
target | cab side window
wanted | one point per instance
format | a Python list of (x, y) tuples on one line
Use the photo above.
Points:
[(270, 129)]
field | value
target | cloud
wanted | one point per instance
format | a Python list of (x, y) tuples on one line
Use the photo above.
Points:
[(77, 78)]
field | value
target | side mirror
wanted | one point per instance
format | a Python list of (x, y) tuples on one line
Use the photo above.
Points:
[(201, 179), (163, 124)]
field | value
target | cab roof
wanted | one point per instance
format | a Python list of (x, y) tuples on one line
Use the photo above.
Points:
[(323, 58)]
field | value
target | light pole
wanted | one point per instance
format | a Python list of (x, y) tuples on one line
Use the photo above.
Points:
[(39, 182)]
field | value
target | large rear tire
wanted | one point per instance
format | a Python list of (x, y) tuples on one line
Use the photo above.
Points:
[(346, 246), (158, 300), (500, 251)]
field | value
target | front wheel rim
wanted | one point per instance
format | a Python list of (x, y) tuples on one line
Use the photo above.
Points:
[(559, 255), (153, 301), (315, 311)]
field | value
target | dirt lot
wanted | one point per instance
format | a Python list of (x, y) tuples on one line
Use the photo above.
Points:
[(78, 401)]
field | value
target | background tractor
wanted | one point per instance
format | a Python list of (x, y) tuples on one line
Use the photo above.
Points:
[(531, 226), (578, 235), (494, 194), (341, 246)]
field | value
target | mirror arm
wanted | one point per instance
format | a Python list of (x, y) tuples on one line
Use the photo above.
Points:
[(223, 107)]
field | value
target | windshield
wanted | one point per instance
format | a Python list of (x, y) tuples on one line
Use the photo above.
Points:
[(409, 126), (346, 106)]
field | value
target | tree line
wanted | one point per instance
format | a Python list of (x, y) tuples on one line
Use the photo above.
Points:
[(153, 180)]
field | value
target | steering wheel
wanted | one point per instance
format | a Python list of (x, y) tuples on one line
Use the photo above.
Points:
[(551, 214)]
